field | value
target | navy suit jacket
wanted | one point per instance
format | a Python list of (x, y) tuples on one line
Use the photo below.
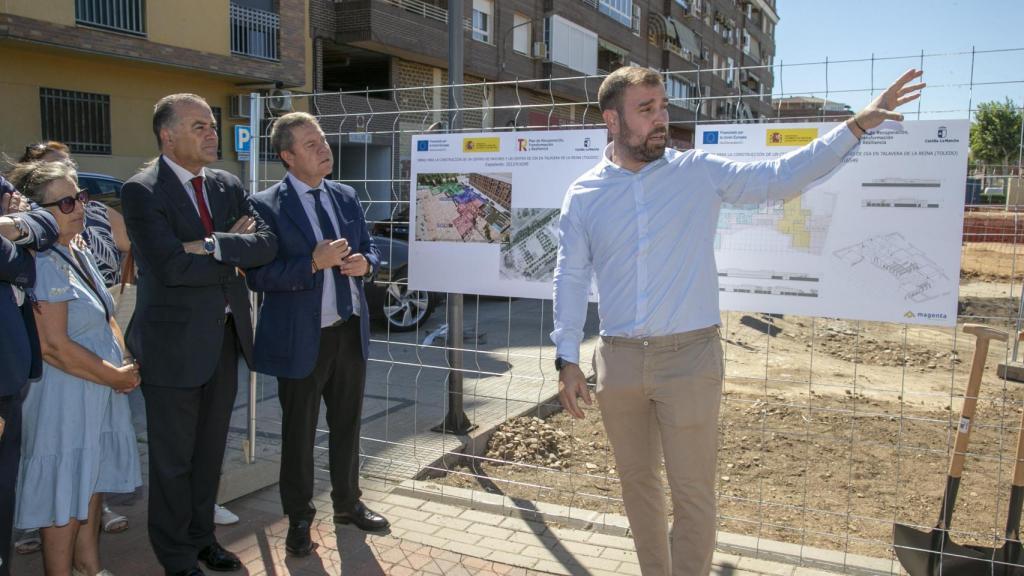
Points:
[(288, 328), (20, 358)]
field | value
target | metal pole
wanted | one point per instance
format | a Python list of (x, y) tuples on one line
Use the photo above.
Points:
[(255, 114), (455, 421)]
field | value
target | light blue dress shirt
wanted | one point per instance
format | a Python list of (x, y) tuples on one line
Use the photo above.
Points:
[(648, 236)]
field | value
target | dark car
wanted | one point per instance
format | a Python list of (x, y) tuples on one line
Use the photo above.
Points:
[(388, 297)]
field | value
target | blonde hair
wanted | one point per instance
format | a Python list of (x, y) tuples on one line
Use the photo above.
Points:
[(32, 178)]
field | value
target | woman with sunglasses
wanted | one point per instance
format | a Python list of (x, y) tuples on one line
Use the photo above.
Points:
[(78, 439), (104, 232)]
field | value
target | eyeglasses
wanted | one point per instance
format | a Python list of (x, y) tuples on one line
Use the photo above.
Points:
[(67, 203)]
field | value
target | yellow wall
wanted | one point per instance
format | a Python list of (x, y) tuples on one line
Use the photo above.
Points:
[(133, 89), (57, 11), (202, 25)]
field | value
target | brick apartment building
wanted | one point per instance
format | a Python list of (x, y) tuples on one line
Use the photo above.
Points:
[(717, 55), (810, 109)]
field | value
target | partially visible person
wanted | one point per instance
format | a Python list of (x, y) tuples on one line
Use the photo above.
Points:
[(313, 291), (104, 232), (79, 438), (191, 232), (23, 229)]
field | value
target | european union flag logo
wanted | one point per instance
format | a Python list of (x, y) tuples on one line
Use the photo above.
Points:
[(422, 146), (711, 137)]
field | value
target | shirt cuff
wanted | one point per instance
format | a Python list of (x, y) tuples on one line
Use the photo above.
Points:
[(216, 248), (841, 138), (569, 352), (29, 237)]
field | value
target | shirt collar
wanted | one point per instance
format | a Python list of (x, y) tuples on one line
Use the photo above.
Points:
[(183, 175), (301, 186)]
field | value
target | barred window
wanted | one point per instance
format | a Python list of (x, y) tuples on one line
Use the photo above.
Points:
[(79, 119), (220, 138)]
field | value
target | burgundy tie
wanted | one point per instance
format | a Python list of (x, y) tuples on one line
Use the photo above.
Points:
[(204, 212)]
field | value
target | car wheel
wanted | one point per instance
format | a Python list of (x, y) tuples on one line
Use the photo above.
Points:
[(406, 309)]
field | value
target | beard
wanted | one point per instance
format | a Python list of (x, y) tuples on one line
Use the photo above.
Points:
[(647, 150)]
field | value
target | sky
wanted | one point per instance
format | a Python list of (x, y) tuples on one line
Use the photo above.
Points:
[(897, 31)]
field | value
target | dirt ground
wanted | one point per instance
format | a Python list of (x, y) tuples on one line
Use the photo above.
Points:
[(830, 431)]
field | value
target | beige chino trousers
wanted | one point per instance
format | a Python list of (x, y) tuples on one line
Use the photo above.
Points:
[(660, 396)]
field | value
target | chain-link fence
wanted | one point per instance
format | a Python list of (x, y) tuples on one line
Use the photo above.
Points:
[(831, 432)]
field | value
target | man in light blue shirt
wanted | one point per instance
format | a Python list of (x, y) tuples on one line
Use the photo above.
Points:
[(643, 222)]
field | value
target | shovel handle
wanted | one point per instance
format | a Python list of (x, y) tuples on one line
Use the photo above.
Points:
[(982, 334)]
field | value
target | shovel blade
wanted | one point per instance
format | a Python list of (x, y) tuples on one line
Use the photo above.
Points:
[(933, 553), (1007, 558)]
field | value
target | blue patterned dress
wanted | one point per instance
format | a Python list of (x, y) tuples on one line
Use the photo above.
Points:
[(78, 438)]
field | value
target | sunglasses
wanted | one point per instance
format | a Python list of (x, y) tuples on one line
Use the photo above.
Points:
[(67, 203)]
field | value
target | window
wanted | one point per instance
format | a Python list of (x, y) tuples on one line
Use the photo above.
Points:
[(619, 10), (679, 92), (522, 33), (128, 16), (730, 73), (79, 119), (220, 140), (571, 45), (636, 19), (482, 11), (610, 57)]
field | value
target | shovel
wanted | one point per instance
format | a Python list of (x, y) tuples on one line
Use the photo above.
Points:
[(928, 553), (1008, 558)]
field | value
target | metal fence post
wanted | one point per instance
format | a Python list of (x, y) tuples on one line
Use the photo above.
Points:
[(455, 420), (255, 114)]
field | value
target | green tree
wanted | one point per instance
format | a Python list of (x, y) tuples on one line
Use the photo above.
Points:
[(995, 134)]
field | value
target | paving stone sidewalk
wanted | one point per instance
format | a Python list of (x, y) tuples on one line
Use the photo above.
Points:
[(427, 537)]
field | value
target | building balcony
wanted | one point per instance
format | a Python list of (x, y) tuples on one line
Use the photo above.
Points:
[(255, 33), (126, 16), (411, 29)]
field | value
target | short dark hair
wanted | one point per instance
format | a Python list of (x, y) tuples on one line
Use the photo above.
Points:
[(281, 138), (609, 95), (165, 112)]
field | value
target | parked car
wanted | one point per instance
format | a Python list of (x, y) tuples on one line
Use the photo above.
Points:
[(388, 297)]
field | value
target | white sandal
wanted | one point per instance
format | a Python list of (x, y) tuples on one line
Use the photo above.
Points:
[(113, 522)]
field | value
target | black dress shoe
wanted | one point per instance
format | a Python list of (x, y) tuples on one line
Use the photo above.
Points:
[(193, 571), (217, 558), (298, 542), (363, 518)]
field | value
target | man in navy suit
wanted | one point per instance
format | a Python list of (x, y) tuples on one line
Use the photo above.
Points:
[(21, 229), (313, 329)]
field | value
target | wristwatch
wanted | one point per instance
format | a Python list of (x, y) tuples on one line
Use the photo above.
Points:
[(561, 363), (22, 227), (209, 245)]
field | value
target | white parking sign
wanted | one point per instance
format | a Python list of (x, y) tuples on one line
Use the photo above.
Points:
[(243, 139)]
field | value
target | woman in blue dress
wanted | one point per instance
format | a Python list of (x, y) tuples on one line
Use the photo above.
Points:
[(78, 440)]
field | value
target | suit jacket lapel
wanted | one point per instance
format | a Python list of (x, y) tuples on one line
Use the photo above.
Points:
[(335, 195), (293, 208), (218, 201), (177, 197)]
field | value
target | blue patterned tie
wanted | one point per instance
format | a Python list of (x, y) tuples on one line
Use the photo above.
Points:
[(342, 290)]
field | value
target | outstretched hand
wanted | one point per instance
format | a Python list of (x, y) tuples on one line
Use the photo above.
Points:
[(884, 106)]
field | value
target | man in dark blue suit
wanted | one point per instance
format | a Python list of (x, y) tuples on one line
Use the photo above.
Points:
[(313, 329), (21, 229)]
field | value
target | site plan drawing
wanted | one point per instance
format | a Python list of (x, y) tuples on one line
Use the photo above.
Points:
[(484, 208), (876, 239)]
